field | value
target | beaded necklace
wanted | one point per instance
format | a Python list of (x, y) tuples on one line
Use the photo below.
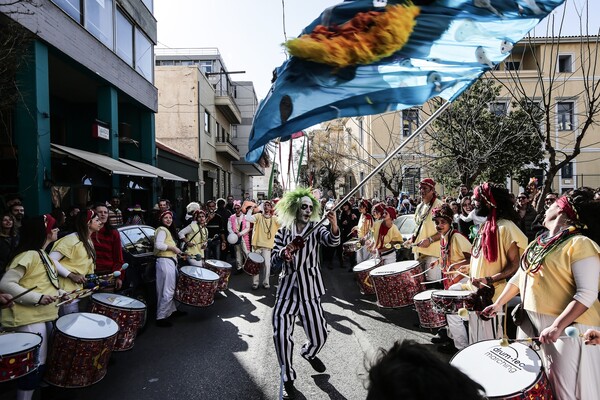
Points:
[(50, 271), (267, 228), (445, 248), (476, 248), (534, 255)]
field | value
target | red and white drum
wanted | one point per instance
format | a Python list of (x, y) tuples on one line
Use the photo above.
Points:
[(429, 317), (253, 263), (81, 348), (18, 354), (396, 284), (508, 373), (351, 246), (221, 268), (129, 314), (450, 301), (196, 286), (361, 273)]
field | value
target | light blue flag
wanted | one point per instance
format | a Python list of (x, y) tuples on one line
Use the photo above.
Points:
[(451, 45)]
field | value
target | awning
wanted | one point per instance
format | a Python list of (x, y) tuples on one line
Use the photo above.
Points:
[(250, 169), (211, 162), (154, 170), (109, 165)]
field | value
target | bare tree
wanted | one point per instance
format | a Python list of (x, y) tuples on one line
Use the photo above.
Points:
[(565, 92)]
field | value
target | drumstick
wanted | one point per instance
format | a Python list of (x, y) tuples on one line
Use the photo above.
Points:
[(467, 276), (23, 293), (436, 281), (571, 333), (84, 293), (421, 273)]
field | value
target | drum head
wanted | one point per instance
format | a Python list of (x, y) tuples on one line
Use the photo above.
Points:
[(118, 301), (256, 258), (87, 326), (501, 371), (202, 274), (394, 268), (452, 293), (18, 342), (218, 264), (423, 296), (351, 242), (366, 265)]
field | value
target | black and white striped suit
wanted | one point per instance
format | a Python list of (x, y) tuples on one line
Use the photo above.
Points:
[(300, 290)]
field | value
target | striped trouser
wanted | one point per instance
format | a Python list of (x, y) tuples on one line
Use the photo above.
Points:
[(315, 327)]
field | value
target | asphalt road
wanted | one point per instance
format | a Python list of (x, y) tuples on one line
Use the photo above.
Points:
[(225, 351)]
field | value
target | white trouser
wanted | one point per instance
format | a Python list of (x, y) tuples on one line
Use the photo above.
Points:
[(44, 329), (241, 252), (166, 280), (433, 274), (388, 258), (266, 271)]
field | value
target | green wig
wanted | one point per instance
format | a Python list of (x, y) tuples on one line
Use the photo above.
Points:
[(290, 203)]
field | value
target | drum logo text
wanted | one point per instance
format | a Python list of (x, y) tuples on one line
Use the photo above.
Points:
[(505, 360)]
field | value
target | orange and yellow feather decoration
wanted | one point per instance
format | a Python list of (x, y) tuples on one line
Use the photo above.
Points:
[(366, 38)]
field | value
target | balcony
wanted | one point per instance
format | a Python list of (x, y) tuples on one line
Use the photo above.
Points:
[(227, 106), (224, 146)]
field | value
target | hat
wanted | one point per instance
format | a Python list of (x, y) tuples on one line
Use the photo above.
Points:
[(193, 206), (50, 222), (444, 212), (428, 182), (136, 208), (237, 203), (391, 211)]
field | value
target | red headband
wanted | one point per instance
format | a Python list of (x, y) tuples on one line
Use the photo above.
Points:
[(164, 214), (90, 215), (566, 206), (391, 211), (442, 212)]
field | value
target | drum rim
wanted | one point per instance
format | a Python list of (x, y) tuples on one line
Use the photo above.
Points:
[(57, 329), (255, 261), (22, 351), (392, 273), (430, 291), (504, 395), (120, 307), (466, 293), (196, 278), (226, 266)]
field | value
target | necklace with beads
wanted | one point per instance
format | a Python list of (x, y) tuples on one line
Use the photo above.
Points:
[(445, 248), (267, 228), (533, 257), (50, 271)]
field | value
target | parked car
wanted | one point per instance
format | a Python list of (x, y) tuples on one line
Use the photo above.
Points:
[(406, 225), (137, 242)]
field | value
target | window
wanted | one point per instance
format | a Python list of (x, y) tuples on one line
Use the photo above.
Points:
[(565, 63), (207, 129), (71, 7), (566, 172), (361, 131), (124, 38), (149, 5), (143, 55), (499, 108), (512, 65), (410, 121), (205, 66), (234, 131), (565, 116), (218, 126), (99, 20)]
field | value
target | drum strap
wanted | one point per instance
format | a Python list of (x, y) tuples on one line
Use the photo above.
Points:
[(50, 271)]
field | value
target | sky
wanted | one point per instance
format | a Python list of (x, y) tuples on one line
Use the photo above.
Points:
[(249, 34)]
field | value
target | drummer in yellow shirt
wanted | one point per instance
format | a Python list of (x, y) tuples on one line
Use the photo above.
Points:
[(263, 239), (385, 237), (76, 256), (35, 311)]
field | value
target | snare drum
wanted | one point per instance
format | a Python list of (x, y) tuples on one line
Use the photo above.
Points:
[(18, 354), (253, 263), (221, 268), (429, 317), (351, 246), (128, 313), (396, 284), (507, 373), (82, 345), (363, 279), (196, 286), (450, 301)]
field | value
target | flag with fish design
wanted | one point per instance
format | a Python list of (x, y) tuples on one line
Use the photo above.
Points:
[(366, 57)]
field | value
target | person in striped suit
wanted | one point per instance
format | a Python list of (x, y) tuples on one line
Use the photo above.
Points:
[(300, 282)]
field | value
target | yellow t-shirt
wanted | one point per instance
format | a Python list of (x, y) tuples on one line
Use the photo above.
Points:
[(423, 213), (550, 290), (197, 237), (35, 275), (264, 231), (392, 235), (169, 241), (75, 259), (364, 226), (508, 233), (458, 247)]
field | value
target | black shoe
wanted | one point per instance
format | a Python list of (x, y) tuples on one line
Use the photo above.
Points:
[(239, 271), (448, 348), (316, 363), (441, 337), (164, 323), (177, 314), (289, 391)]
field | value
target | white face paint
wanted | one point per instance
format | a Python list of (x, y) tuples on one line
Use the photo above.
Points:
[(305, 211)]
